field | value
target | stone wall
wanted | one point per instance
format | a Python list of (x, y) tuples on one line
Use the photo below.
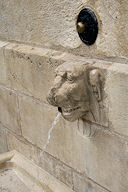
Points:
[(36, 38), (52, 24)]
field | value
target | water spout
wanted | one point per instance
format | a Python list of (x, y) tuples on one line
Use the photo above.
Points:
[(48, 140)]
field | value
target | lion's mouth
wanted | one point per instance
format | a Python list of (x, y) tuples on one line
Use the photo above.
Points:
[(72, 113), (67, 110), (59, 109)]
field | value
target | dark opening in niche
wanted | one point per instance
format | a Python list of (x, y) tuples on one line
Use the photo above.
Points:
[(87, 26)]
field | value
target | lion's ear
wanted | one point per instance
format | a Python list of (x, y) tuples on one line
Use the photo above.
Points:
[(96, 81)]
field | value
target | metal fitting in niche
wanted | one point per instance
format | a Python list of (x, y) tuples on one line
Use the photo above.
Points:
[(87, 26)]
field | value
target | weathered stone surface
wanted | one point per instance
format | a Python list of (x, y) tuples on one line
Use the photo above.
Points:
[(36, 120), (57, 169), (103, 158), (117, 97), (9, 112), (34, 178), (3, 141), (116, 91), (53, 25), (20, 145), (40, 22), (67, 175), (3, 67), (109, 41), (83, 184), (10, 182), (30, 70)]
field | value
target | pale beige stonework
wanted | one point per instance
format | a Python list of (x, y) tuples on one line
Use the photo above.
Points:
[(36, 120), (53, 24), (9, 181), (28, 69), (20, 145), (3, 67), (96, 157), (83, 184), (3, 140), (55, 167), (9, 112), (117, 90), (17, 173), (37, 37), (69, 176), (28, 117)]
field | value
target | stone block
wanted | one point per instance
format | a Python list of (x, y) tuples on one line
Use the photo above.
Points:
[(117, 97), (9, 112), (10, 181), (67, 175), (36, 120), (102, 158), (57, 169), (3, 67), (82, 184), (40, 23), (30, 70), (3, 141), (19, 144)]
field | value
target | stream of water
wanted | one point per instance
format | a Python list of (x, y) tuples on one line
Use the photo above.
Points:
[(48, 140)]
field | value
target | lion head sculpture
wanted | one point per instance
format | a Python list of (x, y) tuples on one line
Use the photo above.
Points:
[(72, 90)]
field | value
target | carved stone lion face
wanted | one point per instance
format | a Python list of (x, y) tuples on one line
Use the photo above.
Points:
[(70, 91), (76, 90)]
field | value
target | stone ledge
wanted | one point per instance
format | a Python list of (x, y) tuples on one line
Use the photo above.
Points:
[(93, 149), (52, 165)]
